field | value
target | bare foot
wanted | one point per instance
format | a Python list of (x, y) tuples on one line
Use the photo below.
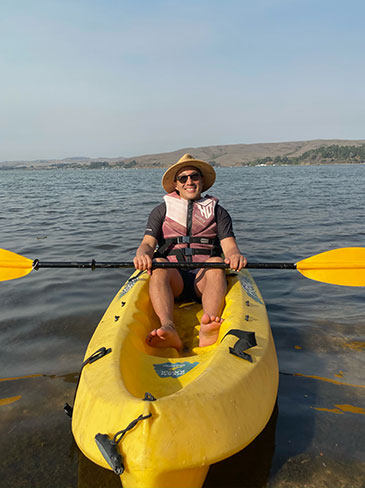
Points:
[(165, 336), (209, 330)]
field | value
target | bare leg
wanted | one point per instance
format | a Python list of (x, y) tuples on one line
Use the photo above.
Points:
[(165, 284), (212, 285)]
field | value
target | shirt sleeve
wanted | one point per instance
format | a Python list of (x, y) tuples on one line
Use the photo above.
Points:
[(224, 223), (155, 221)]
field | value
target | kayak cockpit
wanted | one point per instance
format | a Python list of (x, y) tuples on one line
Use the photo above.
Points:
[(163, 371)]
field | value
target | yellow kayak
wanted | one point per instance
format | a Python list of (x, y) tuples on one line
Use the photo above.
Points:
[(160, 419)]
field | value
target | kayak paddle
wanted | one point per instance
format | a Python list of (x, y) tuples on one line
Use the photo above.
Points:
[(344, 266)]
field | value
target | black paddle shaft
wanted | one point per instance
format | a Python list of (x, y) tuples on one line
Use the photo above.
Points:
[(158, 264)]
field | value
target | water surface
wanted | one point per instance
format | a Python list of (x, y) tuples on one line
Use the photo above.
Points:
[(315, 437)]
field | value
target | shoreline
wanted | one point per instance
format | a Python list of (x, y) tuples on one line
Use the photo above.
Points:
[(294, 153), (70, 167)]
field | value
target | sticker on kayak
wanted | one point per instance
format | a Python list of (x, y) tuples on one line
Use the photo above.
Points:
[(249, 288), (128, 286), (173, 370)]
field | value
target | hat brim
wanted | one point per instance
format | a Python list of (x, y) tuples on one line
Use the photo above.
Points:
[(207, 171)]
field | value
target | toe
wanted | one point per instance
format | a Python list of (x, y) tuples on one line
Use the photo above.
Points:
[(205, 319)]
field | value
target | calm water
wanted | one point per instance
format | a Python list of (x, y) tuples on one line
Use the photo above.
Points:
[(315, 437)]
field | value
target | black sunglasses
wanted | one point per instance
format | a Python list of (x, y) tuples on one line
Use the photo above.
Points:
[(194, 177)]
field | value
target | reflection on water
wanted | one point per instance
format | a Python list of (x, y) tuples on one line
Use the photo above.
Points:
[(37, 448), (282, 214)]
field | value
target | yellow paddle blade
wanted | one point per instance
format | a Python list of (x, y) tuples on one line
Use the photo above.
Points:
[(345, 266), (13, 266)]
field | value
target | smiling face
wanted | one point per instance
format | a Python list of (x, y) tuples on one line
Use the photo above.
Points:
[(189, 183)]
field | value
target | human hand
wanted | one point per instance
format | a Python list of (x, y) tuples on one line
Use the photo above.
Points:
[(236, 261), (143, 262)]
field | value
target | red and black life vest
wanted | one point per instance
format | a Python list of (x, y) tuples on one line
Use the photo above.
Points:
[(189, 229)]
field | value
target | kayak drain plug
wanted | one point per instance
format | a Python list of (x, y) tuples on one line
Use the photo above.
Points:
[(109, 450)]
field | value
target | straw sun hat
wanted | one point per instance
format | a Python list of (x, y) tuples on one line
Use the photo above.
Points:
[(168, 179)]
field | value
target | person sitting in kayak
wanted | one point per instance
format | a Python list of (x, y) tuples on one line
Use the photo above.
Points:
[(190, 228)]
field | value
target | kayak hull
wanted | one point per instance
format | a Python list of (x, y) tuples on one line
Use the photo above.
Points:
[(198, 408), (184, 478)]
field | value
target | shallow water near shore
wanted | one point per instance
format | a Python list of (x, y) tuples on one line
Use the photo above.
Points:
[(280, 214)]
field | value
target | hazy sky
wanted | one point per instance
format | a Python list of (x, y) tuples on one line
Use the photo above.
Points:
[(124, 78)]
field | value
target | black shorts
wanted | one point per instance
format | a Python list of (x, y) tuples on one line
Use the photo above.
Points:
[(188, 294)]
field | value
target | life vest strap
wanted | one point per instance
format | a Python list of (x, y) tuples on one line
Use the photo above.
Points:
[(165, 248), (189, 240), (189, 251)]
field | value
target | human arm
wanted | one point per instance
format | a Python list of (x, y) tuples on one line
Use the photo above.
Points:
[(143, 258), (232, 254), (144, 254)]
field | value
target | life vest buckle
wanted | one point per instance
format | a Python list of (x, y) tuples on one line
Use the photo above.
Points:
[(183, 240)]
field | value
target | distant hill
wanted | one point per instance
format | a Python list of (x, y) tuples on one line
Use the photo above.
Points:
[(321, 151)]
